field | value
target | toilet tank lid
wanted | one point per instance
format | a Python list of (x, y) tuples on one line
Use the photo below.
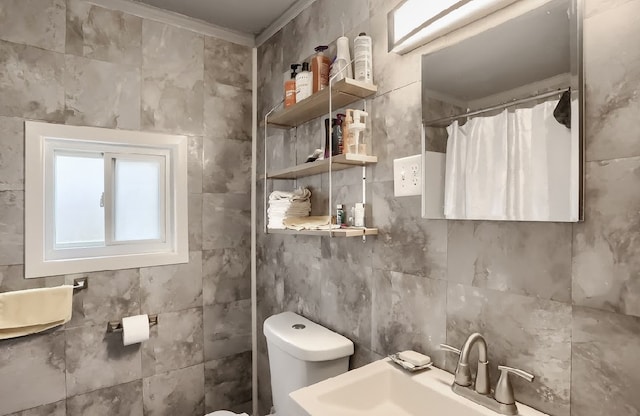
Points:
[(305, 339)]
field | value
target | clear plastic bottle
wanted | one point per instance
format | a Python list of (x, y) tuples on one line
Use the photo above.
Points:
[(363, 58)]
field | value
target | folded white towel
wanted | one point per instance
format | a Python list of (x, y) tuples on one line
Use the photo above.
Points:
[(294, 212), (298, 194), (25, 312)]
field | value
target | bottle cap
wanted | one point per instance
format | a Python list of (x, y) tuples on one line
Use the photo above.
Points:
[(321, 48), (305, 66), (362, 34)]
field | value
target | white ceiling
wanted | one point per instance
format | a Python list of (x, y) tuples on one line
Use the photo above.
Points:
[(248, 16)]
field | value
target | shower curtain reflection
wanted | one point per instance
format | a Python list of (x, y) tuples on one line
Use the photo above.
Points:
[(512, 166)]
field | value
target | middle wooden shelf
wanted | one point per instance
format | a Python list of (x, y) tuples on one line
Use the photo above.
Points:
[(340, 162)]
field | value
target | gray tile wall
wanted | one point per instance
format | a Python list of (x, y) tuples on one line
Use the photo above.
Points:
[(560, 300), (72, 62)]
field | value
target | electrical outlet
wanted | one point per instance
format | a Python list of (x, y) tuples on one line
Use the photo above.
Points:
[(407, 176)]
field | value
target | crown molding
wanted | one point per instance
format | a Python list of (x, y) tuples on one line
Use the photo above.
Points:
[(290, 14), (175, 19)]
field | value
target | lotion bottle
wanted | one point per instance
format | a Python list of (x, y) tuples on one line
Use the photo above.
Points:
[(303, 83), (320, 65), (290, 87)]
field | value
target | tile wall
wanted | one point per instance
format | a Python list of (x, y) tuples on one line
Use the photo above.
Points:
[(560, 300)]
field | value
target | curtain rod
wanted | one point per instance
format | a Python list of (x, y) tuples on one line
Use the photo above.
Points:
[(436, 123)]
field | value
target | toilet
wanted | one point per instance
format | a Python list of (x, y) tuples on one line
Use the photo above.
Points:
[(301, 353)]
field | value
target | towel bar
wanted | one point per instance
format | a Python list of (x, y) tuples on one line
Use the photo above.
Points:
[(116, 326)]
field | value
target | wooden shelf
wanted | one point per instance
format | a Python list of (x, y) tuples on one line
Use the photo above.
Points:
[(344, 92), (341, 232), (340, 162)]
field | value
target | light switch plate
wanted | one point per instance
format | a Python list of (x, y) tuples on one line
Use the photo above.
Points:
[(407, 176)]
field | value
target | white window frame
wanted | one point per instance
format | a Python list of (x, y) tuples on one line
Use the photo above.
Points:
[(43, 140)]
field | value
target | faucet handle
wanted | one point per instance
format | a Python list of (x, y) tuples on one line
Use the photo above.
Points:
[(504, 390), (520, 373), (449, 348)]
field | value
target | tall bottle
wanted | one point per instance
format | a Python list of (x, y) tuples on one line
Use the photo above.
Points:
[(303, 83), (290, 87), (363, 58), (320, 65), (341, 67)]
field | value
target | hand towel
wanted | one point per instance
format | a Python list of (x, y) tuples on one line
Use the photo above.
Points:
[(309, 223), (25, 312)]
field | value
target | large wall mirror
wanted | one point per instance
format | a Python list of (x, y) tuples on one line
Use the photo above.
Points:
[(502, 106)]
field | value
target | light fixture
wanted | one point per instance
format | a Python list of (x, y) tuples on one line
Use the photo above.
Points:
[(414, 23)]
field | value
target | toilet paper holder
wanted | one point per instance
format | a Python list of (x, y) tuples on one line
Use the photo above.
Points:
[(116, 326)]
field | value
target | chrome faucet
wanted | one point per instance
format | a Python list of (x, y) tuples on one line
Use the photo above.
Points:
[(504, 400)]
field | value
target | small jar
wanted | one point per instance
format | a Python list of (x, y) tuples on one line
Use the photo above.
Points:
[(359, 215)]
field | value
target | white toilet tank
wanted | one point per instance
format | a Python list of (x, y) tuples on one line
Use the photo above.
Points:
[(301, 353)]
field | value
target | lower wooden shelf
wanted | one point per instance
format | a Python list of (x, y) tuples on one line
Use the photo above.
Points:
[(340, 232)]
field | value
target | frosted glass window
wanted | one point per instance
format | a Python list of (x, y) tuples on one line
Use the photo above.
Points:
[(138, 199), (78, 189), (103, 199)]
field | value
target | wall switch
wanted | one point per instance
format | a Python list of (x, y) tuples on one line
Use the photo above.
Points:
[(407, 176)]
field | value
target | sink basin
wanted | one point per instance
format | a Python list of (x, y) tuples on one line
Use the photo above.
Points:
[(383, 389)]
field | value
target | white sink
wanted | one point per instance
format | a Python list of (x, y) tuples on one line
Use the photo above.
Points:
[(383, 389)]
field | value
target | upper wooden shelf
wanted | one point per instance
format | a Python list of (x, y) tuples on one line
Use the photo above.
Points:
[(340, 162), (345, 92)]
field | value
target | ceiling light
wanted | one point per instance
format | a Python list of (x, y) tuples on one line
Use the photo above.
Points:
[(414, 23)]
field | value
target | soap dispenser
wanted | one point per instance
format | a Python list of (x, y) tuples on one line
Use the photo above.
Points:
[(290, 87), (320, 65), (303, 83)]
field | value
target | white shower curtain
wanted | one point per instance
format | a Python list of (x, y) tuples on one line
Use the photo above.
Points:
[(517, 165)]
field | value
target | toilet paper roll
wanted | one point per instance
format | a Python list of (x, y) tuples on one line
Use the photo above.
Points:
[(135, 329)]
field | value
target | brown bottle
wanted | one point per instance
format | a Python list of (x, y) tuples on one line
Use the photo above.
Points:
[(320, 66), (290, 87)]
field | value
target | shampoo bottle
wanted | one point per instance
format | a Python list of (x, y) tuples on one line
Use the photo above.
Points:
[(363, 58), (290, 87), (303, 83), (320, 65)]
